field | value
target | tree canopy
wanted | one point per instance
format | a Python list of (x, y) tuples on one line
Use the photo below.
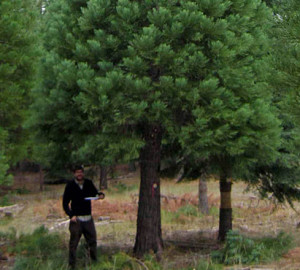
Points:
[(18, 54), (281, 178)]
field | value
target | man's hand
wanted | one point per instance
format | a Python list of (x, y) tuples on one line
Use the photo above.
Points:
[(73, 219), (101, 196)]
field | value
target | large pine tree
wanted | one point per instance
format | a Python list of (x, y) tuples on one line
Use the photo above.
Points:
[(126, 78), (18, 54)]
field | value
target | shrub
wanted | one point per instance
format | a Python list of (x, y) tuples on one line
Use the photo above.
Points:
[(239, 249), (276, 247), (5, 200)]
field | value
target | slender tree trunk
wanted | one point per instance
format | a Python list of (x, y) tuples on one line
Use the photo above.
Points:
[(41, 178), (225, 220), (149, 235), (111, 170), (203, 201), (103, 177), (131, 166), (180, 175)]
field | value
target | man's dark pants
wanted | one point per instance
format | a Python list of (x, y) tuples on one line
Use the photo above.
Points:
[(87, 228)]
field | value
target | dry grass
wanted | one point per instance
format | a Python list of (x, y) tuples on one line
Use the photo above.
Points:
[(252, 216)]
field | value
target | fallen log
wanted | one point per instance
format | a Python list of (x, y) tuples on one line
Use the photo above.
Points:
[(168, 197), (192, 245), (11, 210)]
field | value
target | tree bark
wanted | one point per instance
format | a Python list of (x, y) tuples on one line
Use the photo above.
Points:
[(103, 177), (149, 235), (225, 219), (203, 201)]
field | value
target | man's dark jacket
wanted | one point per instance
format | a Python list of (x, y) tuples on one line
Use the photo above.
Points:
[(74, 194)]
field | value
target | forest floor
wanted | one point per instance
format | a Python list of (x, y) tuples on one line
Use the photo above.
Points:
[(188, 236)]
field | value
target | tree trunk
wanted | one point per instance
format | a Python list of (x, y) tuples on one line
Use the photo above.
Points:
[(41, 179), (180, 175), (203, 201), (225, 220), (131, 166), (149, 235), (112, 171), (103, 177)]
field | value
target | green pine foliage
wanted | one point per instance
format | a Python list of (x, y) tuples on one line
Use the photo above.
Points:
[(281, 178), (236, 98), (18, 52), (4, 178), (197, 68)]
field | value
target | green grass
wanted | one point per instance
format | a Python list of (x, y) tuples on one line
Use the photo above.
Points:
[(121, 187), (204, 265), (188, 210), (48, 251), (169, 187), (39, 250), (21, 191), (181, 216), (5, 221), (214, 211)]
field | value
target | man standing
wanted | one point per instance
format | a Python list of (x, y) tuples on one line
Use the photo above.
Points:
[(78, 193)]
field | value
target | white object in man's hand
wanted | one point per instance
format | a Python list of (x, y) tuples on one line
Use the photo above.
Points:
[(91, 198)]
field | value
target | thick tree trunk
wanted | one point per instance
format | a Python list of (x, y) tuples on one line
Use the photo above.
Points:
[(149, 236), (225, 220), (103, 177), (203, 201)]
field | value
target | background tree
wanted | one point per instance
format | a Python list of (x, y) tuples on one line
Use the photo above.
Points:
[(18, 54), (184, 168), (281, 178), (235, 104)]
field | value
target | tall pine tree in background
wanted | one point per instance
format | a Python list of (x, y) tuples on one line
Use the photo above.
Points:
[(281, 178), (235, 99), (18, 54), (123, 79)]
